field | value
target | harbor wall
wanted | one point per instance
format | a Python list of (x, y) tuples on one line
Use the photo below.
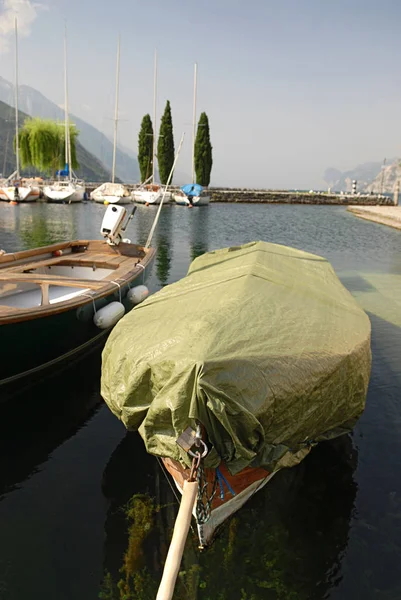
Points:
[(283, 196), (287, 197)]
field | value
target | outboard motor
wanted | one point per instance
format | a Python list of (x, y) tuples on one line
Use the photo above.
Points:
[(113, 224)]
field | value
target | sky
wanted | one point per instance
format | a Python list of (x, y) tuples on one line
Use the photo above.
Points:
[(291, 87)]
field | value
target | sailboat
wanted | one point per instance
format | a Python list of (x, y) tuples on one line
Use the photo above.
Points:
[(65, 190), (152, 192), (192, 194), (15, 189), (111, 192)]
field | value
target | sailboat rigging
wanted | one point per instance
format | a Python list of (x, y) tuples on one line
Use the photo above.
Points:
[(111, 192), (14, 188), (67, 189), (151, 192), (192, 194)]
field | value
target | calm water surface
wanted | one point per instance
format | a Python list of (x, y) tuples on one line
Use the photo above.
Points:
[(85, 513)]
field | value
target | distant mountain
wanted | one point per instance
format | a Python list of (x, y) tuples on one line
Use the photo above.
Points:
[(90, 167), (368, 176), (385, 181), (364, 174), (35, 104)]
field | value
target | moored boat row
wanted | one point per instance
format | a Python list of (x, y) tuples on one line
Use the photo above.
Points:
[(14, 188), (67, 188), (66, 192)]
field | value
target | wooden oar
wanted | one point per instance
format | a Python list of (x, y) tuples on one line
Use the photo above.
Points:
[(180, 533)]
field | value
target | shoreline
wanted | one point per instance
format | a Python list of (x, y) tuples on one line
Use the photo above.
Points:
[(384, 215)]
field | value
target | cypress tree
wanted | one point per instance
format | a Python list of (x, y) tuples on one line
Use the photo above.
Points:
[(203, 152), (165, 145), (145, 148)]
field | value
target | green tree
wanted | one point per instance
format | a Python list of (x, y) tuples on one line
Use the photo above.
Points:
[(165, 145), (203, 152), (145, 148), (42, 143)]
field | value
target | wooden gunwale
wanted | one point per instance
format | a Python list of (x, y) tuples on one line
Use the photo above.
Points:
[(99, 253), (239, 482), (14, 257)]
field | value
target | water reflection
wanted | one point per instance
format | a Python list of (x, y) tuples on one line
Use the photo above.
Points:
[(136, 532), (371, 566), (286, 543), (164, 254), (199, 232), (143, 219), (24, 226), (38, 419), (42, 226)]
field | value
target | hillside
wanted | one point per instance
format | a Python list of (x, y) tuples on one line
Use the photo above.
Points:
[(33, 103), (368, 175), (385, 181), (90, 167)]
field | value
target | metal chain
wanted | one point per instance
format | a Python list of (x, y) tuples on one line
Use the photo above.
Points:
[(204, 502)]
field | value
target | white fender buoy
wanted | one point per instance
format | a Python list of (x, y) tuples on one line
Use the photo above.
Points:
[(109, 315), (138, 294)]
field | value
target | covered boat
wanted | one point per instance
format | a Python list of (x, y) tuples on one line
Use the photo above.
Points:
[(152, 193), (192, 194), (255, 356), (111, 193)]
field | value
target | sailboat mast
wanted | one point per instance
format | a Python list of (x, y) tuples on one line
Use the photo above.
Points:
[(67, 125), (16, 98), (154, 117), (194, 123), (113, 172)]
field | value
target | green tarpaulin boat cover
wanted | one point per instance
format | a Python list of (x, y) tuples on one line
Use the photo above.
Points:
[(260, 343)]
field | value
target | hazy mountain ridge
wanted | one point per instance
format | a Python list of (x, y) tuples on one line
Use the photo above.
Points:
[(35, 104), (366, 174), (386, 180), (90, 167)]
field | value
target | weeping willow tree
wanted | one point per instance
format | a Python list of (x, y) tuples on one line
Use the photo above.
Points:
[(42, 144)]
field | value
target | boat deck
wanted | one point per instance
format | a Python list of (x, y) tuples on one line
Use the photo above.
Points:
[(67, 273)]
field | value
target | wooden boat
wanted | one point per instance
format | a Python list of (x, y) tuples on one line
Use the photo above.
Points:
[(226, 495), (260, 354), (52, 298)]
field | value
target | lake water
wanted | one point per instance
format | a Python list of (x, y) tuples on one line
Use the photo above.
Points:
[(85, 513)]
